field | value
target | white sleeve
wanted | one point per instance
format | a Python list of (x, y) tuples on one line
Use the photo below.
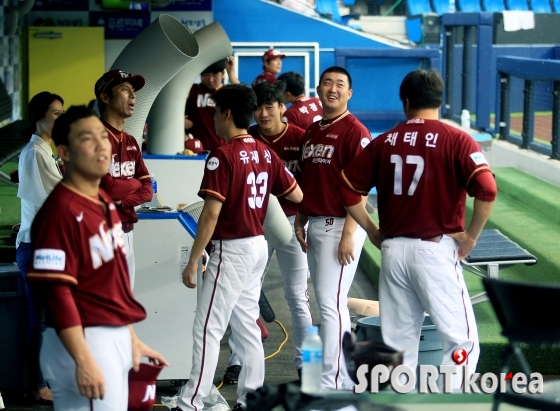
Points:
[(38, 176)]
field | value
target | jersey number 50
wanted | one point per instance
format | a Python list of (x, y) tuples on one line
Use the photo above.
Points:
[(261, 180), (398, 162)]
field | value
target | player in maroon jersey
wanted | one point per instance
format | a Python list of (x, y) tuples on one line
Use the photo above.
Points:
[(423, 170), (272, 65), (334, 240), (287, 141), (199, 110), (128, 180), (79, 260), (303, 111), (238, 178)]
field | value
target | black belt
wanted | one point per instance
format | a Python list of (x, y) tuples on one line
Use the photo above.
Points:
[(127, 227)]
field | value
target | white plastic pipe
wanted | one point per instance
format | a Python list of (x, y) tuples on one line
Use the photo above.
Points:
[(166, 127), (159, 52)]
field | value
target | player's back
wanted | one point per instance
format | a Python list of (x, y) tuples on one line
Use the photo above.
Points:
[(304, 112)]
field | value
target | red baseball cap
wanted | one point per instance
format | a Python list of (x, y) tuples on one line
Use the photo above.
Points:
[(272, 54), (142, 387), (194, 145), (115, 77)]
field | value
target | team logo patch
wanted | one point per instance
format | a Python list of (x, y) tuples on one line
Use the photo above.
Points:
[(212, 163), (365, 141), (49, 259), (478, 158)]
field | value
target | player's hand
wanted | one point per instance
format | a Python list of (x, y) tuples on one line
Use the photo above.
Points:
[(465, 241), (90, 379), (230, 64), (376, 237), (139, 350), (346, 249), (188, 123), (189, 274), (301, 236)]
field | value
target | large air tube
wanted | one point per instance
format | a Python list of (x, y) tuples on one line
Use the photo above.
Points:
[(165, 122), (159, 52)]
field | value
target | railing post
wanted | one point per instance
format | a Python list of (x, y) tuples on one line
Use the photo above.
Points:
[(466, 50), (449, 47), (528, 115), (555, 154), (504, 105)]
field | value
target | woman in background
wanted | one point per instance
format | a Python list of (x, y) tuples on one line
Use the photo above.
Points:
[(39, 172)]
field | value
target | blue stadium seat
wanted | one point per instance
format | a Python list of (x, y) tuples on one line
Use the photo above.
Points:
[(417, 7), (517, 5), (556, 6), (413, 22), (493, 5), (348, 2), (469, 6), (540, 6), (329, 9), (440, 6)]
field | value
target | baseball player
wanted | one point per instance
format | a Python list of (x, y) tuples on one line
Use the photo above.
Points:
[(303, 111), (286, 140), (334, 240), (128, 181), (78, 259), (423, 170), (272, 65), (199, 110), (238, 178)]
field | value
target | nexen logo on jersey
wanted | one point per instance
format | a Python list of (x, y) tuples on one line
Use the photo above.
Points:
[(49, 259), (320, 153), (124, 169), (101, 245), (205, 101)]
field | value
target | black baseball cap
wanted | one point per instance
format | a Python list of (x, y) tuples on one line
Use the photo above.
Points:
[(115, 77)]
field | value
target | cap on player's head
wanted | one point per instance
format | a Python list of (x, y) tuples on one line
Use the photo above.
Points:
[(61, 129), (271, 55), (423, 89), (240, 100), (113, 78), (142, 387), (339, 70), (269, 93), (294, 83), (217, 67)]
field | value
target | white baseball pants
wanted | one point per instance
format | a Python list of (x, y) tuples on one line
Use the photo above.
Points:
[(230, 294), (129, 247), (422, 276), (112, 350), (332, 282)]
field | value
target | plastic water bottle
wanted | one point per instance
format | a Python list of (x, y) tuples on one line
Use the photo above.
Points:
[(312, 350), (155, 201), (465, 119)]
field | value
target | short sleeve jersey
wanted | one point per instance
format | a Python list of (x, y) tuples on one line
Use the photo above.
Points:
[(287, 145), (421, 170), (201, 108), (304, 112), (264, 77), (84, 248), (325, 154), (242, 174)]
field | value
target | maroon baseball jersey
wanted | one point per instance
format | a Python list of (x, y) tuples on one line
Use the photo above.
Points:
[(421, 170), (325, 154), (201, 108), (304, 112), (288, 146), (126, 164), (84, 248), (242, 174), (264, 77)]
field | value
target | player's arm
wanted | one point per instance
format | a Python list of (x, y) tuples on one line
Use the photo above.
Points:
[(296, 195), (144, 193), (299, 228), (206, 225), (119, 189), (139, 350), (230, 68), (346, 243)]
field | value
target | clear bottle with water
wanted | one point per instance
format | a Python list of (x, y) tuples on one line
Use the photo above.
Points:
[(312, 368), (154, 202), (465, 119)]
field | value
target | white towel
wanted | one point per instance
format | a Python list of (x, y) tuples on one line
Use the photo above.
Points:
[(518, 20)]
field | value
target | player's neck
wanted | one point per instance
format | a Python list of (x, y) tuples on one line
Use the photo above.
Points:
[(274, 130), (329, 115), (86, 186), (234, 132), (114, 119), (426, 114), (298, 98)]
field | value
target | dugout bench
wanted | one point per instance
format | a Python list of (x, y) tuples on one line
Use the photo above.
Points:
[(492, 252)]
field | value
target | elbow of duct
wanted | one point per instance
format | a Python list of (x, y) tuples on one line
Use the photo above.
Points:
[(166, 126), (13, 15)]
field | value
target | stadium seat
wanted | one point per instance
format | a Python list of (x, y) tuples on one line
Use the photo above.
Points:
[(417, 7), (526, 314), (469, 6), (556, 6), (540, 6), (329, 10), (517, 5), (419, 12), (493, 5), (440, 6)]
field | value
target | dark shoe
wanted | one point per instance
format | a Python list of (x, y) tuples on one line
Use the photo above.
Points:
[(298, 381), (238, 407), (232, 374), (41, 401)]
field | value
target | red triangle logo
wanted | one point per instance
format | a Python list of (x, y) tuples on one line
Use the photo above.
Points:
[(509, 376)]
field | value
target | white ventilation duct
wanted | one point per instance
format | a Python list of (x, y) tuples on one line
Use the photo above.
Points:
[(166, 127), (159, 52)]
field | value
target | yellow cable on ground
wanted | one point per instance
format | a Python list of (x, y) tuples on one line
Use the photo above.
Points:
[(283, 342)]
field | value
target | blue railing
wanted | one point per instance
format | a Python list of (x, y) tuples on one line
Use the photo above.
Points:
[(530, 70)]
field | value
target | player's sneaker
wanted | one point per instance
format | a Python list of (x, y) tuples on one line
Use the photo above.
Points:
[(238, 407), (232, 374)]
